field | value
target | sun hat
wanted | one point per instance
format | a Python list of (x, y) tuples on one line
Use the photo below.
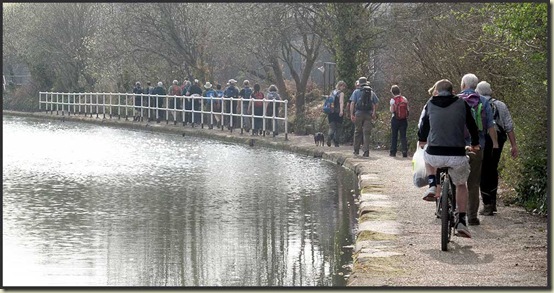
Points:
[(232, 81), (362, 80), (208, 85)]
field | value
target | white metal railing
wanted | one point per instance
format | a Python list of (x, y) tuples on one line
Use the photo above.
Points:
[(157, 107)]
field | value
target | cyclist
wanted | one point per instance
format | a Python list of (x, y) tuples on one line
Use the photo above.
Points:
[(442, 129)]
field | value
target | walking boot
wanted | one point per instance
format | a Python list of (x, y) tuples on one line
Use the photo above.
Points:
[(473, 222), (487, 210)]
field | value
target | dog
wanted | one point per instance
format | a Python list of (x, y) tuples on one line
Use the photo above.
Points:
[(319, 139)]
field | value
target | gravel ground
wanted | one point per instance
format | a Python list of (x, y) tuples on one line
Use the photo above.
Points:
[(509, 249)]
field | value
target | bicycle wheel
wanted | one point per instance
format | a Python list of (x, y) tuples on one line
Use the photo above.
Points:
[(445, 211)]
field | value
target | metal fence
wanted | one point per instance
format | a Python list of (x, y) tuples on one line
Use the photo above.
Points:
[(159, 107)]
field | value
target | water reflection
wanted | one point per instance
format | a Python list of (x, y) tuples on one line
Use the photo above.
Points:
[(85, 205)]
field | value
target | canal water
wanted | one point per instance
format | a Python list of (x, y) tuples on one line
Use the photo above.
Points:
[(89, 205)]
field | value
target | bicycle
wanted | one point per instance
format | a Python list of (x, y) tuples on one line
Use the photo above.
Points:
[(446, 206)]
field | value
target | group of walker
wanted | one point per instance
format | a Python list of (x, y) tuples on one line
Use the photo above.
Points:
[(464, 132), (226, 106)]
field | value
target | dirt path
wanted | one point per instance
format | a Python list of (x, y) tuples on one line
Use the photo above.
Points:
[(507, 250)]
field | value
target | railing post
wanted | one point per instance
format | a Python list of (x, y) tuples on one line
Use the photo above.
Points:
[(91, 97), (231, 116), (286, 120), (241, 116), (252, 116), (175, 109), (201, 112), (118, 107), (263, 115), (192, 111), (126, 106), (156, 97), (212, 113), (166, 110), (183, 108), (63, 104)]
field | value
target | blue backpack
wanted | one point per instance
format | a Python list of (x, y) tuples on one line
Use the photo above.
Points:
[(329, 103), (209, 94), (247, 93)]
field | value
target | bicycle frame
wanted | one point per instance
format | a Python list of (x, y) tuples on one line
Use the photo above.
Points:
[(446, 207)]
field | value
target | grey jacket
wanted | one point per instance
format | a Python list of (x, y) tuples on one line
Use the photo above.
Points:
[(504, 118), (442, 126)]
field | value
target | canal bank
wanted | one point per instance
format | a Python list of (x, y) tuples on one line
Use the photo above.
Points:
[(397, 241)]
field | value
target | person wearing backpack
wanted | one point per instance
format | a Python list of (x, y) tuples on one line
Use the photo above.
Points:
[(336, 114), (505, 130), (257, 100), (399, 121), (196, 90), (482, 114), (271, 123), (159, 90), (217, 104), (242, 106), (362, 109), (174, 103), (137, 90), (231, 92), (209, 94), (149, 102), (187, 103)]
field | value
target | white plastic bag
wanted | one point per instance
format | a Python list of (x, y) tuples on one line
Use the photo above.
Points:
[(418, 167)]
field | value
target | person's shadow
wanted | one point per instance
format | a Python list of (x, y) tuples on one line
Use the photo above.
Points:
[(458, 254)]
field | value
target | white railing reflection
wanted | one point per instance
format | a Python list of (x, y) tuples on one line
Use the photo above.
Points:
[(196, 110)]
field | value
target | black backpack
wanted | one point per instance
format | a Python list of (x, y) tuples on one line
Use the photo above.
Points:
[(364, 103)]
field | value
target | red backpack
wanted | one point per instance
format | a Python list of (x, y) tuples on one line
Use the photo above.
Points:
[(400, 108), (175, 90), (258, 96)]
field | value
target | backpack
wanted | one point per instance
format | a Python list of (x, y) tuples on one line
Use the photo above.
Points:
[(209, 94), (231, 92), (217, 102), (258, 96), (400, 107), (329, 103), (477, 110), (272, 96), (247, 93), (175, 90), (364, 102), (502, 135)]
